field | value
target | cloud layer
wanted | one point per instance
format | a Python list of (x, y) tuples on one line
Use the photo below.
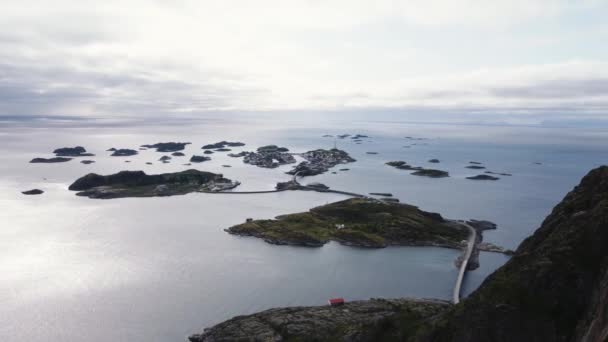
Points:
[(134, 58)]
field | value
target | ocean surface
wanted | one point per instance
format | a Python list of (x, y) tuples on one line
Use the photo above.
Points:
[(159, 269)]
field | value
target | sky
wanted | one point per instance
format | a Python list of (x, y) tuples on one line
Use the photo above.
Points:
[(519, 61)]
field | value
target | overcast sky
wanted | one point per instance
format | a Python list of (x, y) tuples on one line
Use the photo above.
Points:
[(526, 58)]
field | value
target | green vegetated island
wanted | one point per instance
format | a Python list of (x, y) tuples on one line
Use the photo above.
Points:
[(554, 288), (362, 222)]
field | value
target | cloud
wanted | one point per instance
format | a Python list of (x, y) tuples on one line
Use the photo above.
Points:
[(155, 58)]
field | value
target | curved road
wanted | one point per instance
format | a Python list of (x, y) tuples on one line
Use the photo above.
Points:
[(465, 262)]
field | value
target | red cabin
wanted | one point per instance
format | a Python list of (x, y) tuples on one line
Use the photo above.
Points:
[(336, 301)]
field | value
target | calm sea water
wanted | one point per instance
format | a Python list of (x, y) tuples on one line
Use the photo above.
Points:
[(159, 269)]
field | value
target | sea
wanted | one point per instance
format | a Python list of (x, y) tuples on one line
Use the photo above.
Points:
[(159, 269)]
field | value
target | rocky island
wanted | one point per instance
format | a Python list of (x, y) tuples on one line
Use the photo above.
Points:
[(223, 144), (270, 156), (199, 159), (122, 152), (50, 160), (359, 222), (483, 177), (77, 151), (320, 161), (33, 192), (139, 184), (554, 288), (418, 171), (168, 146)]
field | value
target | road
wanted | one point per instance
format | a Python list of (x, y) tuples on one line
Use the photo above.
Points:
[(465, 262)]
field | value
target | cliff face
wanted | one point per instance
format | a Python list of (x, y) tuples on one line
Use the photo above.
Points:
[(554, 288)]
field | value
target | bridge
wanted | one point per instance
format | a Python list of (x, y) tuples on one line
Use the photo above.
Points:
[(465, 261)]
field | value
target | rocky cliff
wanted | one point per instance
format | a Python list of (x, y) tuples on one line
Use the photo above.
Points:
[(554, 288)]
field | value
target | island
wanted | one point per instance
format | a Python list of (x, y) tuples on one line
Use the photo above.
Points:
[(77, 151), (432, 173), (178, 154), (361, 222), (435, 161), (164, 159), (50, 160), (270, 156), (168, 146), (223, 144), (199, 159), (418, 171), (475, 167), (122, 152), (86, 162), (320, 161), (33, 192), (139, 184), (483, 177)]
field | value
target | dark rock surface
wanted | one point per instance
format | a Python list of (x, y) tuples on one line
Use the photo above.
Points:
[(349, 322), (208, 152), (178, 154), (77, 151), (50, 160), (168, 146), (87, 161), (475, 167), (123, 152), (33, 192), (139, 184), (199, 159)]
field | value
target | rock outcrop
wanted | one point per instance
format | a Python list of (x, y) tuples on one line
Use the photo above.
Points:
[(352, 321)]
